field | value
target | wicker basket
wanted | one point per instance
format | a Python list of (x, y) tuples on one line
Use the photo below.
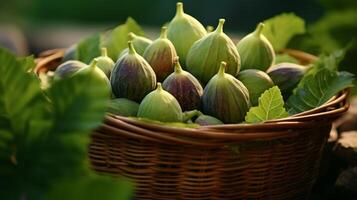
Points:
[(273, 160)]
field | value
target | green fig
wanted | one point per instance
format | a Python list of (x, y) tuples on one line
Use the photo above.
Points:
[(123, 107), (183, 31), (286, 76), (67, 69), (225, 97), (209, 29), (256, 51), (161, 106), (140, 43), (184, 87), (256, 82), (132, 77), (205, 55), (99, 74), (161, 55), (105, 63), (205, 120)]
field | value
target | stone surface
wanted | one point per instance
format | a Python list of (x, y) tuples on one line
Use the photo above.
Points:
[(346, 147), (346, 184), (348, 122)]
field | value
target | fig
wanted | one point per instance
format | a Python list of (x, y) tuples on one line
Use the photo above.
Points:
[(183, 31), (205, 55), (67, 69), (225, 97), (286, 76), (256, 82), (123, 107), (132, 77), (205, 120), (184, 87), (209, 29), (161, 106), (70, 53), (161, 55), (99, 74), (256, 51), (140, 43), (105, 63)]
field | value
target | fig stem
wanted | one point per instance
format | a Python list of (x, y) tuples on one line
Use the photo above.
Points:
[(178, 68), (159, 87), (104, 52), (219, 28), (179, 9), (131, 35), (190, 114), (259, 29), (222, 68), (94, 63), (163, 34), (131, 48), (209, 29)]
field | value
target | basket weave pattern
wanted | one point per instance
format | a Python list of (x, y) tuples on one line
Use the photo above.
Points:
[(274, 160)]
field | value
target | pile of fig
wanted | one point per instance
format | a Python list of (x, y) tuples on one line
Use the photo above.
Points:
[(190, 74)]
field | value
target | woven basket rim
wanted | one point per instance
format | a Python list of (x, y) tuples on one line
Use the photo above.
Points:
[(319, 116)]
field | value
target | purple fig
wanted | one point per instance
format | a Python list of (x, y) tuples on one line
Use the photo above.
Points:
[(67, 69), (286, 76), (132, 77), (225, 97), (184, 87), (161, 55)]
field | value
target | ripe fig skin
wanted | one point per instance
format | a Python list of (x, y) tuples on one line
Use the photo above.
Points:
[(132, 77), (70, 53), (161, 106), (225, 98), (205, 55), (256, 51), (256, 82), (105, 63), (184, 87), (140, 43), (183, 31), (67, 69), (161, 55), (286, 76)]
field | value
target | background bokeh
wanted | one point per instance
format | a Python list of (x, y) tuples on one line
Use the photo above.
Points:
[(32, 26), (68, 20)]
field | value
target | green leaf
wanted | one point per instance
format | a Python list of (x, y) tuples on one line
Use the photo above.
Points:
[(44, 140), (79, 103), (281, 58), (271, 106), (89, 48), (18, 91), (280, 29), (92, 188), (27, 62), (317, 88), (117, 39)]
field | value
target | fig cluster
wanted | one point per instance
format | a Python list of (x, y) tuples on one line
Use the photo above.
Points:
[(189, 73)]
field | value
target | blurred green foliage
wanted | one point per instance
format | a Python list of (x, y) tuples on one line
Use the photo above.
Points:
[(336, 29), (240, 15), (44, 136)]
